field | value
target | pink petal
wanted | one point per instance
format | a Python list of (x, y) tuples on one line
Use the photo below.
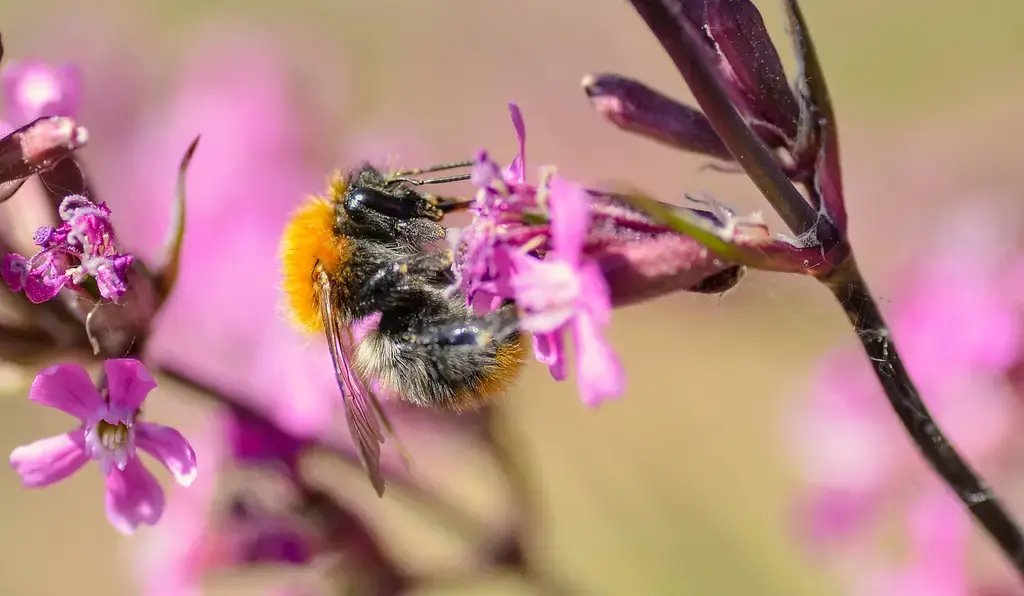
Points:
[(128, 383), (549, 349), (50, 460), (598, 370), (939, 530), (517, 171), (170, 448), (133, 497), (68, 388), (570, 218), (832, 514), (595, 293)]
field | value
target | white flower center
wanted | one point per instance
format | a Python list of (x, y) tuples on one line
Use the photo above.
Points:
[(39, 89), (112, 445), (549, 301)]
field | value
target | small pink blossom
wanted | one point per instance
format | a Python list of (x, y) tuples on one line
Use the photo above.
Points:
[(567, 291), (544, 268), (79, 253), (33, 89), (109, 433)]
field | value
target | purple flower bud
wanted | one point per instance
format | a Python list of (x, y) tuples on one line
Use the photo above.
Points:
[(637, 108), (33, 89), (38, 146), (751, 63)]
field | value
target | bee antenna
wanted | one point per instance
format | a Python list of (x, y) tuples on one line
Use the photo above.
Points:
[(452, 165), (439, 180)]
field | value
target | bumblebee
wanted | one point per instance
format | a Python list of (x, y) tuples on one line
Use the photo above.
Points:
[(369, 248)]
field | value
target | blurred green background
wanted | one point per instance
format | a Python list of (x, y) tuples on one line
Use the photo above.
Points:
[(683, 486)]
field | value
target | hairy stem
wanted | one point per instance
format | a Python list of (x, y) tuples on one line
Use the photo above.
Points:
[(850, 289)]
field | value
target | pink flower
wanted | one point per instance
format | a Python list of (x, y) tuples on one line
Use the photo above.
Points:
[(558, 288), (566, 290), (109, 433), (33, 89), (851, 447)]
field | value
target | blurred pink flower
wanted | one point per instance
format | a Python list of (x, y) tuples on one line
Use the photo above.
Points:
[(196, 538), (172, 558), (33, 89), (960, 334), (109, 433), (248, 174), (937, 566)]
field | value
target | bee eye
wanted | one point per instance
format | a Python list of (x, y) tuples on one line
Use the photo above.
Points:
[(361, 199)]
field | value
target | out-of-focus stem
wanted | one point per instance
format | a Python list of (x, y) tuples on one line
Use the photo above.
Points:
[(497, 432), (852, 292), (448, 514)]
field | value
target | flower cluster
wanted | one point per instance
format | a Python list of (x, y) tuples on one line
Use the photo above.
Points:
[(109, 432), (81, 255), (543, 268), (566, 256)]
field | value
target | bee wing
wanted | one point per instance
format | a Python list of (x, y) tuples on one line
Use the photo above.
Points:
[(364, 414)]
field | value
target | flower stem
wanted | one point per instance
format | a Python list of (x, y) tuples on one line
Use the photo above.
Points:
[(850, 289)]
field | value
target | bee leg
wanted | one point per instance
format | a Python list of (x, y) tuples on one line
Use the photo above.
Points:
[(390, 285)]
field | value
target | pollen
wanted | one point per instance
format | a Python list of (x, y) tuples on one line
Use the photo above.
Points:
[(309, 239)]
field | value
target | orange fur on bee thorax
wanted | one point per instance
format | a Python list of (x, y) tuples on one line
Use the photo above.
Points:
[(308, 239)]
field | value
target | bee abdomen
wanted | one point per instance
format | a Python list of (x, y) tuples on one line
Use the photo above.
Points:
[(432, 374)]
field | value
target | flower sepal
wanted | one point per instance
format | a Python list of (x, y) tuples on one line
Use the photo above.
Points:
[(36, 147), (745, 240)]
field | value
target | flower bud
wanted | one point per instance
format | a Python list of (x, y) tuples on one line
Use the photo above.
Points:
[(38, 146), (635, 107)]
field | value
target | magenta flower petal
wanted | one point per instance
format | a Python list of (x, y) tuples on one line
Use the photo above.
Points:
[(50, 460), (128, 384), (570, 220), (547, 293), (44, 282), (517, 171), (68, 388), (12, 271), (549, 349), (598, 370), (170, 448), (134, 497), (595, 293)]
